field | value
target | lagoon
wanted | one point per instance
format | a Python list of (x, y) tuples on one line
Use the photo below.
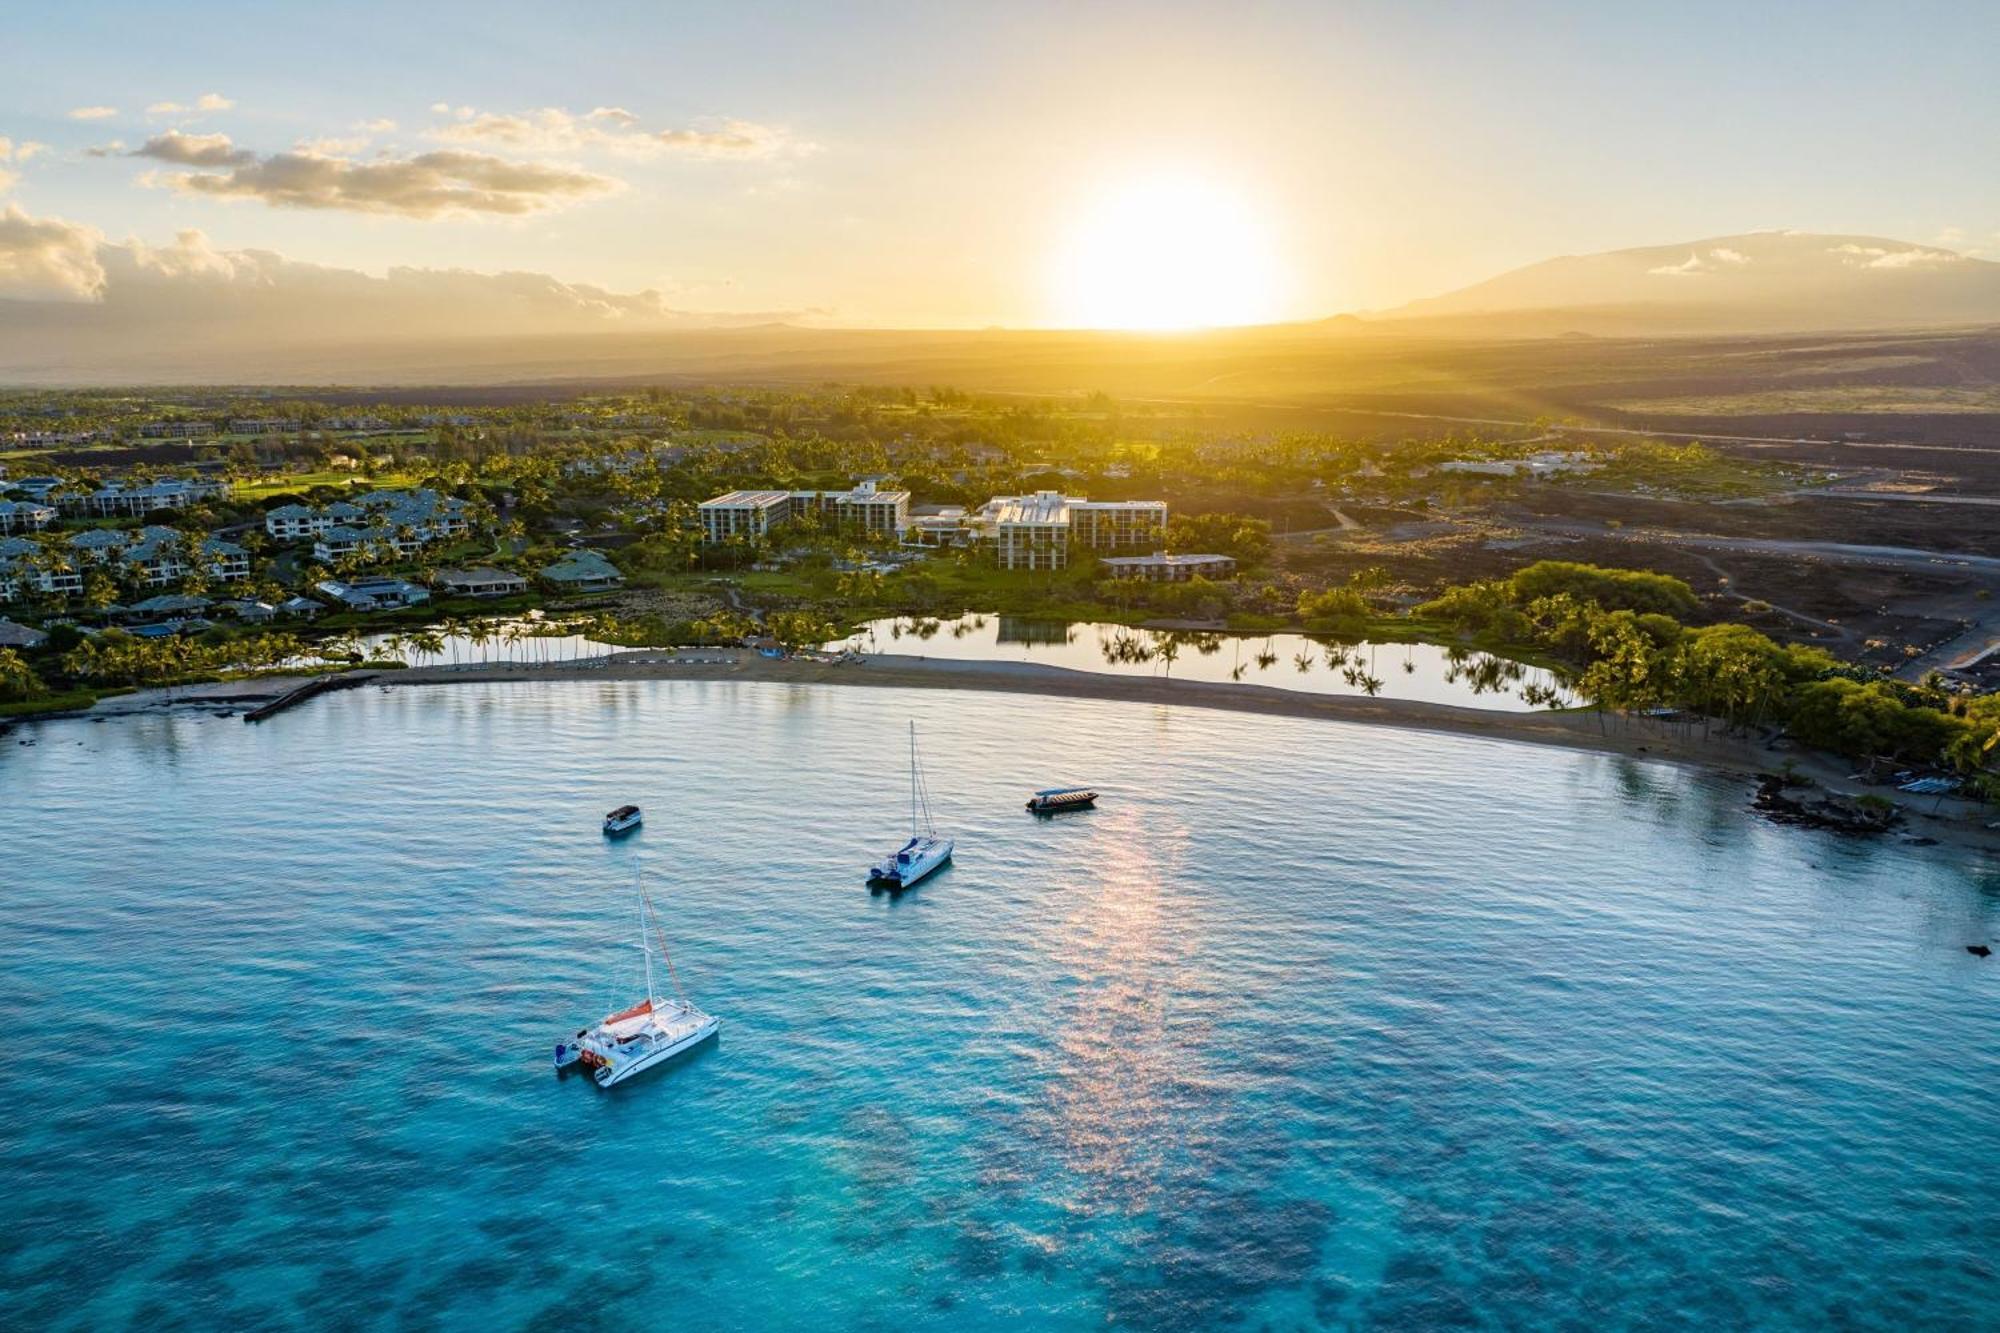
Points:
[(1421, 671), (1307, 1025)]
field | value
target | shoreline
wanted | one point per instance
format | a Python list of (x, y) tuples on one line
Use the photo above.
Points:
[(1960, 823)]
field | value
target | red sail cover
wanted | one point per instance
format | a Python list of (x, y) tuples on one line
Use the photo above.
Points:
[(643, 1007)]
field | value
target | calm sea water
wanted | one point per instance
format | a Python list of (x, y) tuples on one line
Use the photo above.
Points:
[(1307, 1026), (1287, 661)]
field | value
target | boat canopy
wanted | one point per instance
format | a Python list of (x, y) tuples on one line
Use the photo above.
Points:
[(623, 812), (1064, 791)]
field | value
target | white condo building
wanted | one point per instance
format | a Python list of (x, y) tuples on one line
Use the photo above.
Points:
[(753, 515), (1036, 531)]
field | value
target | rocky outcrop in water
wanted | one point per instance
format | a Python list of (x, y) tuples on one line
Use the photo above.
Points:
[(1775, 801)]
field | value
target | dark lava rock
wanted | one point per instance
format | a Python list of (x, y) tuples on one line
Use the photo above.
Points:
[(1838, 813), (1978, 950)]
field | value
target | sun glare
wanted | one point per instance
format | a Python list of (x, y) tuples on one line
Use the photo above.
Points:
[(1167, 252)]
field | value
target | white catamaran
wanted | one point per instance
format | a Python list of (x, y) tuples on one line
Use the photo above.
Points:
[(925, 851), (650, 1032)]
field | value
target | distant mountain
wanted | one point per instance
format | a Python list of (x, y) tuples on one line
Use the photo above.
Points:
[(1775, 281)]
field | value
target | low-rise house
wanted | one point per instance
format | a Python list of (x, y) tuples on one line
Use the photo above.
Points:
[(481, 582), (25, 515), (23, 637), (583, 570), (303, 608), (167, 605), (248, 609), (1162, 568), (374, 594), (167, 629)]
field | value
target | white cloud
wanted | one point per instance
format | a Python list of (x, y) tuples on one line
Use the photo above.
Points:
[(1876, 256), (552, 129), (206, 102), (1687, 268), (1696, 264), (8, 179), (429, 185), (48, 259), (194, 150), (20, 152), (380, 126), (115, 148), (93, 112)]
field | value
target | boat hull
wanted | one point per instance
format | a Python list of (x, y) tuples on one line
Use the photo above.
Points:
[(910, 875), (608, 1075)]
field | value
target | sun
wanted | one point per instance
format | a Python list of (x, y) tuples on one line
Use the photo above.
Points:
[(1166, 252)]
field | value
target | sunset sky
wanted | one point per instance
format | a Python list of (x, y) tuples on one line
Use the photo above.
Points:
[(962, 165)]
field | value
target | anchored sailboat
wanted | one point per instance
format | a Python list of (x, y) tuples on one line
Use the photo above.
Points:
[(648, 1033), (925, 851)]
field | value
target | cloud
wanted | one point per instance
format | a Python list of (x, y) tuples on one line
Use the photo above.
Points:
[(194, 150), (116, 148), (1687, 268), (20, 152), (93, 112), (1695, 265), (48, 259), (382, 125), (1876, 256), (429, 185), (615, 130), (8, 179), (206, 102)]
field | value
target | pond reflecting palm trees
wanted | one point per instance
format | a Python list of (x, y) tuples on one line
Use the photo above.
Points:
[(1319, 664)]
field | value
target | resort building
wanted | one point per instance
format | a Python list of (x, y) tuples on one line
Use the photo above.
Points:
[(583, 570), (1112, 525), (374, 594), (177, 430), (753, 515), (28, 568), (1029, 531), (1036, 531), (938, 525), (1163, 568), (136, 499), (747, 514), (25, 516), (372, 526), (158, 556), (481, 582)]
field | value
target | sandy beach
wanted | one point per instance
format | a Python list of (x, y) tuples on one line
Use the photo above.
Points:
[(1961, 823)]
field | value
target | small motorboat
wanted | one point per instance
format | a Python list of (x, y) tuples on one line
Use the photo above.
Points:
[(1055, 800), (622, 820)]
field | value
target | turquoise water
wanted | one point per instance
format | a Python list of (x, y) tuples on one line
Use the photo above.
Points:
[(1427, 672), (1308, 1025)]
